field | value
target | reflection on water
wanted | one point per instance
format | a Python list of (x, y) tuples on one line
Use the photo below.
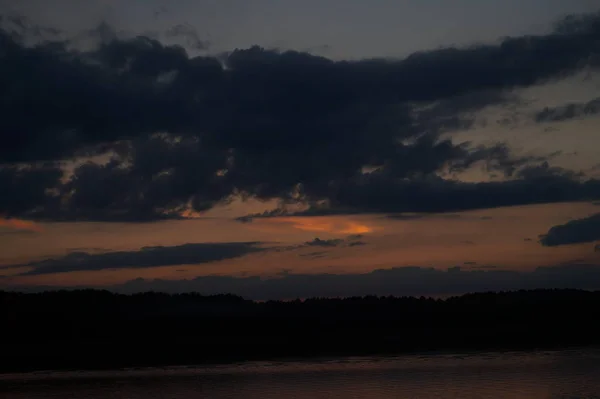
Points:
[(560, 374)]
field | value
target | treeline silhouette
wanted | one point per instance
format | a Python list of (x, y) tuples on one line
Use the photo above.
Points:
[(86, 329)]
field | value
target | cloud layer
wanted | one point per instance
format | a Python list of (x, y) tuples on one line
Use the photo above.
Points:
[(144, 258), (411, 281), (573, 232), (180, 132), (568, 111)]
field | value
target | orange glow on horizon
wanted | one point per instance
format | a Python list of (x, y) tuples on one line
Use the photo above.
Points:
[(20, 224)]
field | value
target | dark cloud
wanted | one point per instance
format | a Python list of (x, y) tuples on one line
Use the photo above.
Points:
[(357, 244), (573, 232), (350, 241), (28, 188), (317, 242), (398, 281), (324, 246), (94, 259), (568, 111), (379, 193), (267, 124), (144, 258), (312, 210), (457, 112), (355, 236), (544, 171), (165, 176)]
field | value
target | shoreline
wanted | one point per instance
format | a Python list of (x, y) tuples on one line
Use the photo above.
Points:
[(93, 330)]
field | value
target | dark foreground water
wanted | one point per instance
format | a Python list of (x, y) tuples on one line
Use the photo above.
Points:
[(527, 375)]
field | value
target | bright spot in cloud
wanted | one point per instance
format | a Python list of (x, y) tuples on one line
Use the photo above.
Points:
[(325, 224)]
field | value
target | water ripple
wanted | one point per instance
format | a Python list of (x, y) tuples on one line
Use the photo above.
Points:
[(530, 375)]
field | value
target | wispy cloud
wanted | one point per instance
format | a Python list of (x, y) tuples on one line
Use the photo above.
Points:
[(146, 257)]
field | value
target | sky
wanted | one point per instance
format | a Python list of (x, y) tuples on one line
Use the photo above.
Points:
[(281, 149)]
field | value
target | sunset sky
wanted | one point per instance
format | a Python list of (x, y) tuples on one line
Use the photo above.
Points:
[(280, 148)]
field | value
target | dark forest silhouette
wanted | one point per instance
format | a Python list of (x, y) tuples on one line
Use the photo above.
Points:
[(99, 329)]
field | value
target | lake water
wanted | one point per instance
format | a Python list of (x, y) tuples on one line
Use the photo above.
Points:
[(527, 375)]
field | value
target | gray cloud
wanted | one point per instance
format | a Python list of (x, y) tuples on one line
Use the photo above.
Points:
[(357, 244), (144, 258), (94, 259), (378, 192), (350, 241), (266, 124), (317, 242), (573, 232), (324, 245), (26, 189), (568, 111), (312, 210)]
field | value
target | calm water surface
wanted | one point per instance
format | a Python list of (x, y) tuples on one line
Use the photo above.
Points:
[(527, 375)]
